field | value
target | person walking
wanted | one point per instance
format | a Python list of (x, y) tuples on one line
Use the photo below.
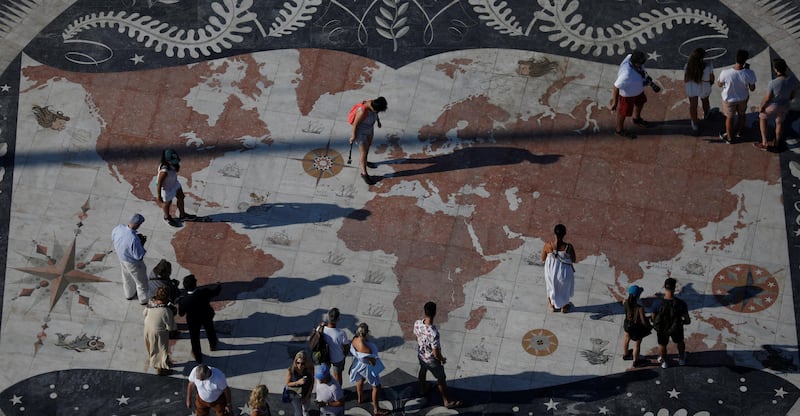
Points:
[(559, 272), (168, 187), (299, 380), (330, 397), (196, 306), (159, 321), (212, 392), (363, 122), (776, 104), (129, 246), (159, 276), (628, 96), (338, 344), (636, 326), (430, 357), (699, 77), (735, 83), (258, 401), (668, 320)]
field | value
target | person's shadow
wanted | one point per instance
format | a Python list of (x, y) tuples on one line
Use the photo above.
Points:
[(468, 158)]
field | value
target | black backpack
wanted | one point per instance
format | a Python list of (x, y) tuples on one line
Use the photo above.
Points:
[(318, 346), (668, 319)]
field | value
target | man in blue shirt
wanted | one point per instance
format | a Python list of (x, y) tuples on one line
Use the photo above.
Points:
[(129, 246)]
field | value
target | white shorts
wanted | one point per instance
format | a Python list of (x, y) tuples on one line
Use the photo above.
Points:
[(169, 194), (702, 90)]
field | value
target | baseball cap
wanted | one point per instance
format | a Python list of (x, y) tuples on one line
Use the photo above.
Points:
[(172, 156), (136, 219), (322, 371), (635, 290), (670, 283)]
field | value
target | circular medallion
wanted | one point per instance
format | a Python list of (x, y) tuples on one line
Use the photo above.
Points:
[(539, 342), (745, 288), (323, 163)]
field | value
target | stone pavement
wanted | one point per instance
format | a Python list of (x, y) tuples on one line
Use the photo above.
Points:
[(498, 128)]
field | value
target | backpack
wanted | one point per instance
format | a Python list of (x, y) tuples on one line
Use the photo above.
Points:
[(318, 346), (351, 116), (668, 319)]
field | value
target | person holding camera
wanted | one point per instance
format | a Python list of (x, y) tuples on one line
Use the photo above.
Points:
[(628, 96), (735, 83), (129, 245)]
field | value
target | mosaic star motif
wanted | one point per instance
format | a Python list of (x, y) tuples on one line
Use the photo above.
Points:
[(745, 288), (61, 274)]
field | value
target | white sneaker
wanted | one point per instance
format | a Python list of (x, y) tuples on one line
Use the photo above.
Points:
[(664, 365), (660, 359)]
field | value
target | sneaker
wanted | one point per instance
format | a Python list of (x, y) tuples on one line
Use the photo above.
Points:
[(660, 359), (682, 361), (724, 136), (172, 222), (664, 365)]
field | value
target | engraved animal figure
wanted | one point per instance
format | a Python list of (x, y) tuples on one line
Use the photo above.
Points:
[(80, 343), (597, 355), (536, 68), (48, 119)]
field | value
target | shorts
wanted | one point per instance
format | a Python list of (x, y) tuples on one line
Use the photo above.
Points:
[(626, 104), (663, 339), (701, 89), (338, 366), (775, 110), (731, 108), (362, 139), (435, 367), (169, 194)]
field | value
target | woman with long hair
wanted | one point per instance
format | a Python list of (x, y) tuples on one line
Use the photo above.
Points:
[(258, 401), (636, 326), (300, 380), (698, 76), (559, 273)]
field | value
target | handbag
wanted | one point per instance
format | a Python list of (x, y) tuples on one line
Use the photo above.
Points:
[(286, 397)]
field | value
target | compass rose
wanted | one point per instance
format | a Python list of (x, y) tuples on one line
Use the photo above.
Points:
[(323, 163), (745, 288), (61, 274)]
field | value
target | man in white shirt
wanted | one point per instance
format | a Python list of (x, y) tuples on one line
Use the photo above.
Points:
[(212, 391), (129, 246), (736, 83), (330, 396), (628, 96), (337, 343)]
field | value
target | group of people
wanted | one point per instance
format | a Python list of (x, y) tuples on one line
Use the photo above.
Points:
[(629, 98), (366, 367)]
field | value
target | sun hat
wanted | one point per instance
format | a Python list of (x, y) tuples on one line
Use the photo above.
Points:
[(635, 290)]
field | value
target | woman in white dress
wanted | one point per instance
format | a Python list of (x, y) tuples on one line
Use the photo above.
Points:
[(559, 274)]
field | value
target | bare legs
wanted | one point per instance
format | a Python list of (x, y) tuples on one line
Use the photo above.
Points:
[(375, 391)]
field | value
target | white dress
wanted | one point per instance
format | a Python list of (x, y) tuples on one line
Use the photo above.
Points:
[(560, 278)]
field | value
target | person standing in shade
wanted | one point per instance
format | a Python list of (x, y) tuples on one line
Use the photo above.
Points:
[(736, 84), (168, 187), (429, 355), (559, 273), (337, 342), (330, 397), (299, 380), (212, 391), (668, 320), (129, 245), (258, 401), (366, 367), (159, 321), (628, 96), (699, 77), (636, 326), (196, 305), (366, 117), (776, 104)]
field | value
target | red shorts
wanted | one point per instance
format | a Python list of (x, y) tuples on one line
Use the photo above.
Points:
[(626, 104)]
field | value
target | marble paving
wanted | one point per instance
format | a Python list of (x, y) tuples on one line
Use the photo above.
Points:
[(498, 128)]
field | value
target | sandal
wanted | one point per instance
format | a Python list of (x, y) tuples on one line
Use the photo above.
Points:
[(565, 308), (625, 133), (761, 146), (642, 122), (382, 412), (368, 179)]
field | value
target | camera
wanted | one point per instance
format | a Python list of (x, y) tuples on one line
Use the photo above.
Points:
[(648, 80), (142, 238)]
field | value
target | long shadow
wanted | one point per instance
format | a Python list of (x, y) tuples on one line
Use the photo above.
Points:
[(741, 296), (469, 158), (289, 213), (278, 289)]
